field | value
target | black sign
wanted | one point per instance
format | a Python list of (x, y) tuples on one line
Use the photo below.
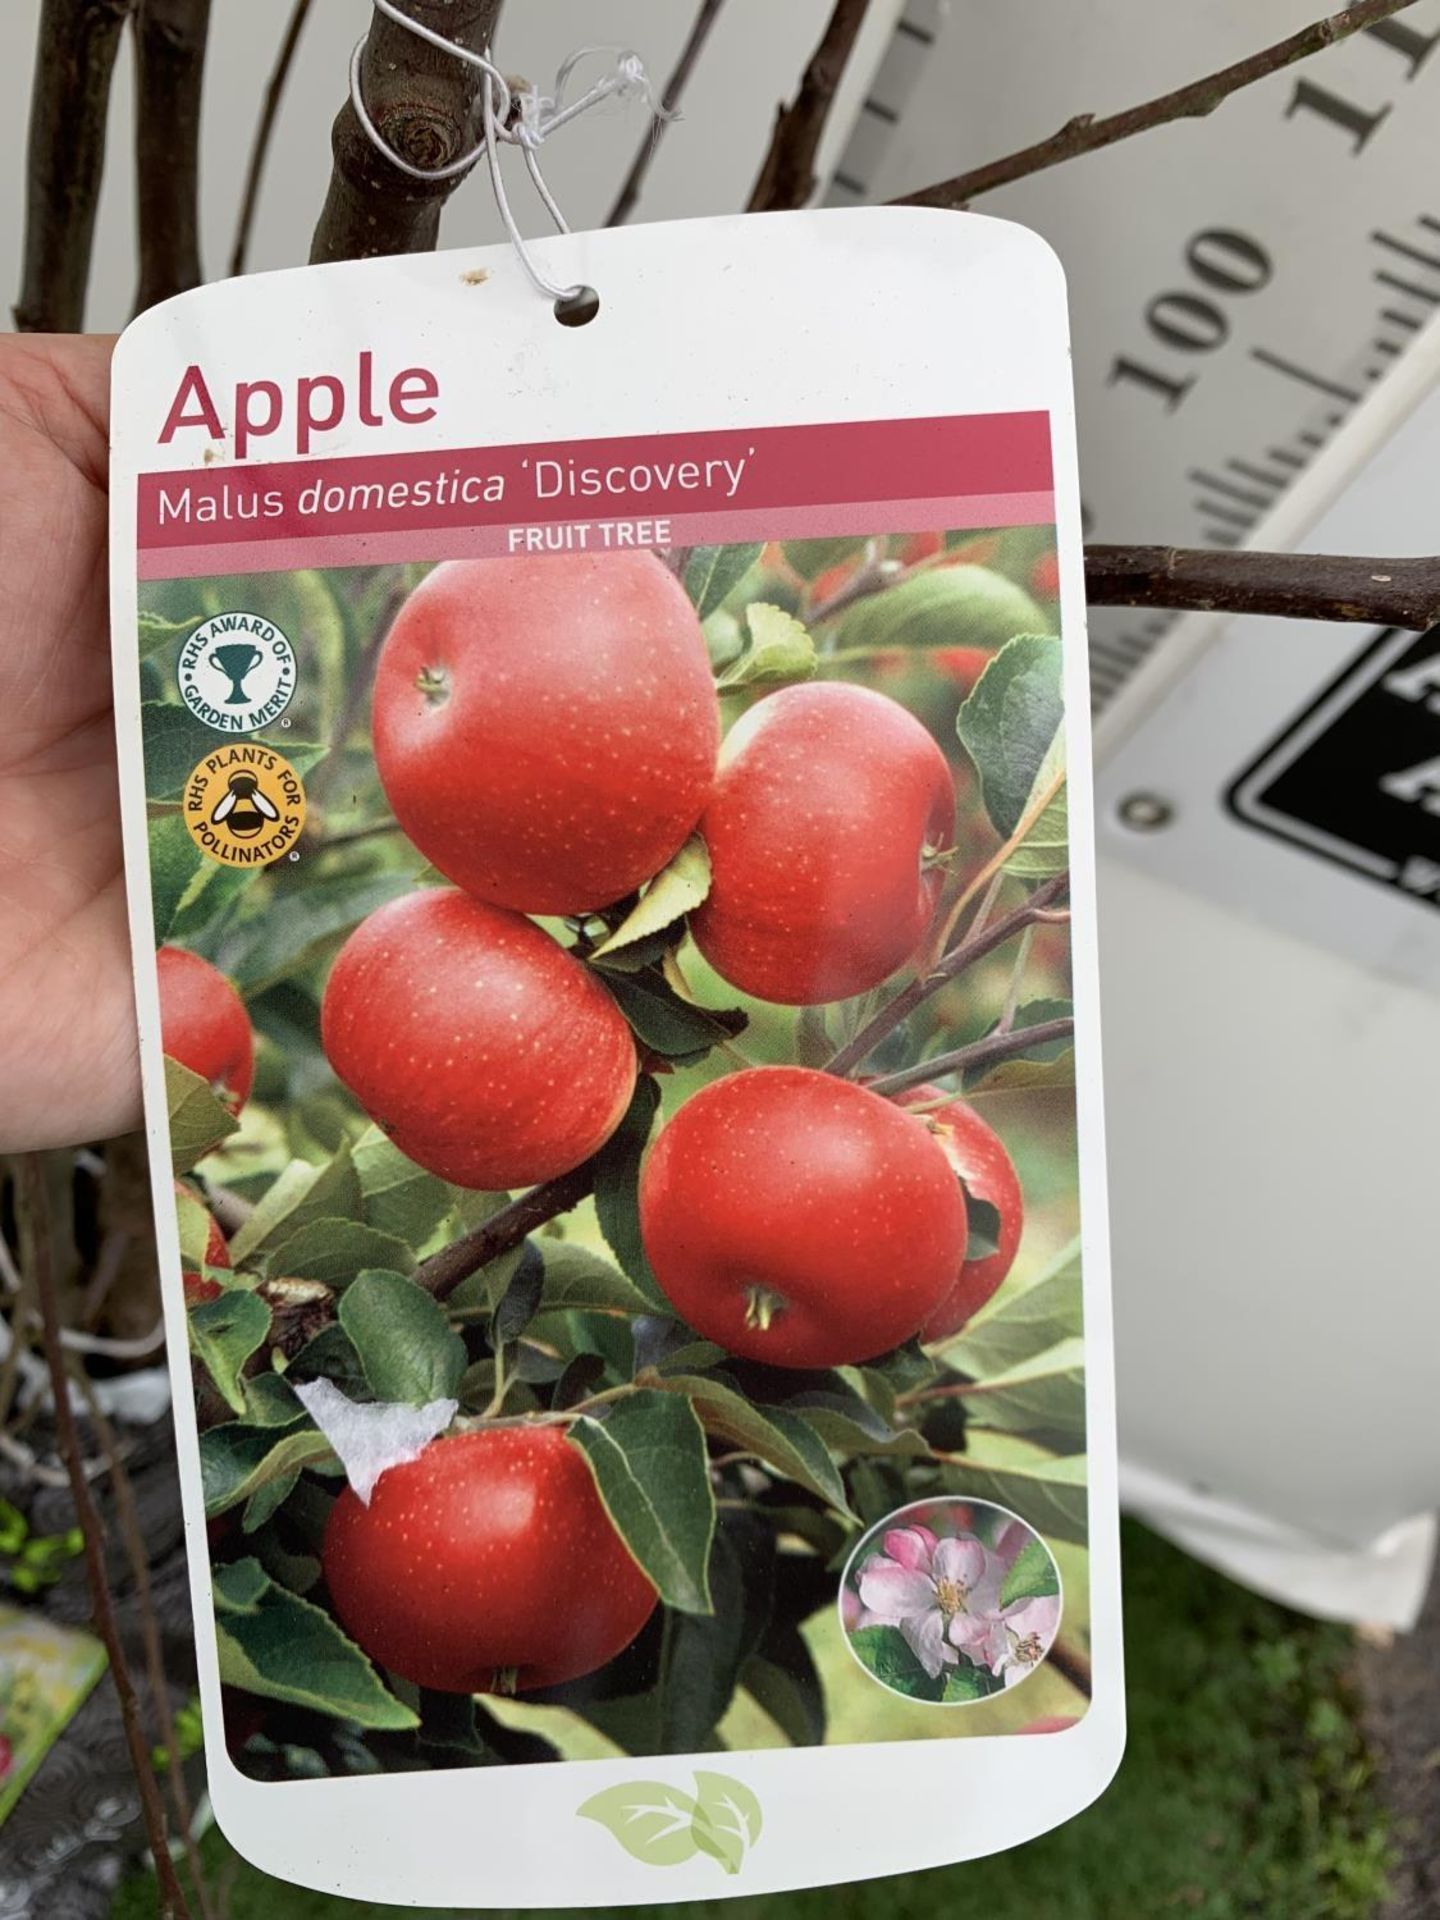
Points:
[(1356, 777)]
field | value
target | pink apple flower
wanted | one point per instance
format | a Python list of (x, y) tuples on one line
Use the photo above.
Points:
[(924, 1586)]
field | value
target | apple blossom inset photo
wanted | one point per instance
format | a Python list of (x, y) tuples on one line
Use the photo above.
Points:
[(950, 1601)]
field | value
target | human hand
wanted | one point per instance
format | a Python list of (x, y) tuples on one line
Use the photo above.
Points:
[(68, 1063)]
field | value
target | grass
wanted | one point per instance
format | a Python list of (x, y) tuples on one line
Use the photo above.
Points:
[(1246, 1792)]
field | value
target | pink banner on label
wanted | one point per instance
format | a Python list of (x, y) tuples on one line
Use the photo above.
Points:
[(776, 482)]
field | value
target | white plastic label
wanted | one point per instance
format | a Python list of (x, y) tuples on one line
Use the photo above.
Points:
[(616, 972)]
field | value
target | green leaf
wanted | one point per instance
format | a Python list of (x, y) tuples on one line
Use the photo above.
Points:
[(713, 573), (777, 652), (575, 1277), (1019, 1325), (175, 860), (653, 1822), (674, 892), (1048, 1492), (408, 1350), (175, 742), (1010, 722), (617, 1184), (1050, 1064), (299, 1194), (671, 1026), (727, 1818), (238, 1461), (965, 1684), (1044, 1394), (649, 1462), (782, 1679), (397, 1196), (155, 630), (335, 1251), (883, 1652), (224, 1333), (852, 1429), (943, 608), (198, 1121), (1033, 1576), (1045, 850), (811, 558), (273, 1643), (520, 1302), (783, 1440), (192, 1219), (277, 945)]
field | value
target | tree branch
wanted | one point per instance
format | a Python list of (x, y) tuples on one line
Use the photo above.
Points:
[(956, 962), (425, 104), (34, 1209), (74, 58), (1296, 586), (980, 1053), (1086, 134), (170, 40), (787, 173), (264, 129), (670, 100), (442, 1273)]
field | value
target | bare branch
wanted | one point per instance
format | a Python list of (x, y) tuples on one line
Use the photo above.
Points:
[(670, 100), (425, 105), (787, 173), (959, 959), (170, 40), (34, 1210), (503, 1231), (980, 1053), (1296, 586), (74, 58), (1086, 134), (264, 129)]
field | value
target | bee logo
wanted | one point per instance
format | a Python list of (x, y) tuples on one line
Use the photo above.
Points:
[(244, 808)]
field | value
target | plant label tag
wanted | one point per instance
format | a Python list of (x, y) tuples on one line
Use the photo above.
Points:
[(607, 812)]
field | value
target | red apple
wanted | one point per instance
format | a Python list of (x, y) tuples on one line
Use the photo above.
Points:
[(800, 1219), (204, 1025), (487, 1565), (199, 1287), (546, 726), (487, 1052), (831, 805), (978, 1155), (1045, 576)]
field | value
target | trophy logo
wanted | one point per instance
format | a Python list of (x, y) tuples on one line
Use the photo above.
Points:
[(236, 672)]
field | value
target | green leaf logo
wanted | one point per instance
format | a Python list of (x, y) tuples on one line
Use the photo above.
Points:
[(663, 1827)]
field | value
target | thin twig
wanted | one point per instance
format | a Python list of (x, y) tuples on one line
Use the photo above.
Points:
[(972, 949), (670, 100), (34, 1208), (1295, 586), (425, 105), (133, 1533), (70, 101), (1071, 1664), (1086, 134), (787, 173), (170, 41), (264, 128), (980, 1053), (503, 1231)]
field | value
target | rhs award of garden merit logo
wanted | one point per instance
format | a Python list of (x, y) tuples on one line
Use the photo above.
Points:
[(236, 672), (623, 1025)]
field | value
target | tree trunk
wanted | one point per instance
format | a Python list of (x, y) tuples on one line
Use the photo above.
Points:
[(425, 105)]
